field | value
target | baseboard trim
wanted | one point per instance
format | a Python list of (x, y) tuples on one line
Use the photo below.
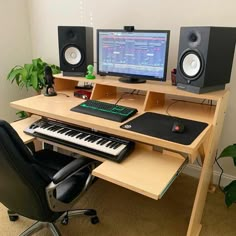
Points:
[(195, 171)]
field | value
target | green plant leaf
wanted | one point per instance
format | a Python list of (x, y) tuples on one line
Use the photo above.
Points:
[(24, 75), (29, 68), (229, 151), (18, 79), (230, 193), (36, 62), (13, 73), (55, 69), (34, 80), (41, 81), (22, 114), (31, 75)]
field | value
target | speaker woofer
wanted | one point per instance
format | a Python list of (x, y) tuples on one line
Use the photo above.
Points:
[(191, 64), (73, 55)]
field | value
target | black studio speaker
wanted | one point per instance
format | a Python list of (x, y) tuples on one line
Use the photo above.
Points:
[(75, 49), (205, 58)]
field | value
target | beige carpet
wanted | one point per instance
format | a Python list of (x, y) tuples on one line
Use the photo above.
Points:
[(125, 213)]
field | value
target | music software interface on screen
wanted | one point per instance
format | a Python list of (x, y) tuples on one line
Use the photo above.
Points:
[(133, 53)]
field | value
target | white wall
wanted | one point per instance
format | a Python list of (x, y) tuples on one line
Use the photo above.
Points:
[(15, 48), (45, 16)]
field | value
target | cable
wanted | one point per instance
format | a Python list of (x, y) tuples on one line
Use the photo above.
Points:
[(177, 100), (167, 109), (222, 171), (122, 95), (198, 162), (64, 94)]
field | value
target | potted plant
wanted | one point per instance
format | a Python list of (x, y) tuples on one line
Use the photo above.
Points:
[(230, 189), (31, 75)]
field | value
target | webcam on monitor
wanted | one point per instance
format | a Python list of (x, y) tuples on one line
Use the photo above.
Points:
[(129, 28)]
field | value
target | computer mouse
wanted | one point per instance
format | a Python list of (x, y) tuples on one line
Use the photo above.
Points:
[(178, 127)]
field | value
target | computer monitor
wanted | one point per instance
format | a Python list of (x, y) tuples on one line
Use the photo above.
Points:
[(134, 56)]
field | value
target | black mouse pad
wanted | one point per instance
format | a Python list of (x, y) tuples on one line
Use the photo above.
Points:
[(160, 126)]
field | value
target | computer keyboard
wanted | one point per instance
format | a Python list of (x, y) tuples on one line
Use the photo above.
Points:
[(105, 110)]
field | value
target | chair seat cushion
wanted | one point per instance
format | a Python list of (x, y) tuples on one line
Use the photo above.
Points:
[(47, 163)]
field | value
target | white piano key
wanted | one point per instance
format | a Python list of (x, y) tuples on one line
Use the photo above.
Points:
[(81, 141)]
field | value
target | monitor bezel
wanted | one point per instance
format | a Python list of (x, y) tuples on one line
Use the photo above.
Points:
[(134, 76)]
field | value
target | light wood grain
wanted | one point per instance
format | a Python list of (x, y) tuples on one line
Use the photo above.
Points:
[(59, 108), (20, 125), (145, 171)]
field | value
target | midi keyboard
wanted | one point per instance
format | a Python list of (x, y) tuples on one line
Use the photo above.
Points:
[(100, 144)]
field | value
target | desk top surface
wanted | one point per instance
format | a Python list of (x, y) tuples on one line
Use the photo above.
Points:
[(58, 108)]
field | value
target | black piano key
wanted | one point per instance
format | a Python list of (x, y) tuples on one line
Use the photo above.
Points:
[(87, 138), (116, 146), (103, 142), (95, 138), (83, 135), (56, 127), (79, 133), (100, 141), (44, 126), (112, 144), (63, 131), (68, 133), (73, 133)]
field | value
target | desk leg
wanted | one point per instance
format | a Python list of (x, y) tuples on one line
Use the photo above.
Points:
[(200, 199), (207, 168), (212, 187), (38, 145)]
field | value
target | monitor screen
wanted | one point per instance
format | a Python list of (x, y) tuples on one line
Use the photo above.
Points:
[(134, 56)]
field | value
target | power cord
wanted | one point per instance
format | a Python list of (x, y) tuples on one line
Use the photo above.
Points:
[(176, 100), (64, 94), (221, 173), (122, 95)]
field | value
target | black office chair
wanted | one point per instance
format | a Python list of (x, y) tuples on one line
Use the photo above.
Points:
[(42, 186)]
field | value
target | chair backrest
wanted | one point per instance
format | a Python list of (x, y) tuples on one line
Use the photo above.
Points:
[(22, 189)]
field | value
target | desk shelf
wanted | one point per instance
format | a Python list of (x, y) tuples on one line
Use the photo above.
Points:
[(145, 171), (20, 125), (153, 96)]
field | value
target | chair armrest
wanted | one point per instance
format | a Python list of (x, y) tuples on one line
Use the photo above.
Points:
[(72, 168), (62, 175)]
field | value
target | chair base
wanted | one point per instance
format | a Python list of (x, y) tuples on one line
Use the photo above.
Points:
[(88, 212), (51, 226), (38, 226)]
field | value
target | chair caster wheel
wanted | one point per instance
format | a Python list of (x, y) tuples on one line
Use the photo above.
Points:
[(94, 220), (65, 221), (13, 218)]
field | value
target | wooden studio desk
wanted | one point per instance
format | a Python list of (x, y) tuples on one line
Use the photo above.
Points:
[(159, 160)]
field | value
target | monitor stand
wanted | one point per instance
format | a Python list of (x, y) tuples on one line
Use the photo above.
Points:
[(132, 80)]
